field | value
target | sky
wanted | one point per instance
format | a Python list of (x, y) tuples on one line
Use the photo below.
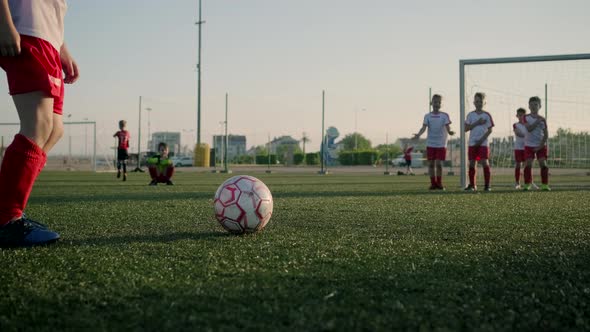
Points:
[(375, 59)]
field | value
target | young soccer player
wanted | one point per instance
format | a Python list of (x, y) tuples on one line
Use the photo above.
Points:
[(37, 64), (479, 123), (439, 127), (122, 149), (535, 144), (519, 130), (408, 158), (161, 167)]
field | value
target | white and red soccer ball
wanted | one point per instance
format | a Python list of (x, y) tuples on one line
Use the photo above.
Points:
[(243, 204)]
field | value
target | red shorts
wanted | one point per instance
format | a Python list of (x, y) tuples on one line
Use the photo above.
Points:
[(478, 153), (36, 68), (519, 156), (436, 153), (529, 153)]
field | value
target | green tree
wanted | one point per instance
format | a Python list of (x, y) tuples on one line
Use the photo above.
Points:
[(350, 141)]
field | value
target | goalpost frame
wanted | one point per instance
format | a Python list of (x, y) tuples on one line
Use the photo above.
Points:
[(93, 123), (467, 62)]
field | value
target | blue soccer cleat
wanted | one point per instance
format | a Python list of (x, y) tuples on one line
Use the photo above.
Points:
[(25, 232)]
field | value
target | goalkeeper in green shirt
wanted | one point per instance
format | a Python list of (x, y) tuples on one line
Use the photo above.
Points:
[(161, 167)]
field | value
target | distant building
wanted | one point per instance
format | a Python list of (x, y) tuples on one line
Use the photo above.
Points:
[(236, 146), (283, 142), (170, 138)]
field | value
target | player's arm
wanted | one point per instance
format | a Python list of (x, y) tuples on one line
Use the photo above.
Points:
[(69, 65), (479, 122), (419, 133), (531, 126), (9, 37), (449, 130), (517, 132), (484, 137), (545, 134)]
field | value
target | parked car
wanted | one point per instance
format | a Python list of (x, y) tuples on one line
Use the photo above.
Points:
[(182, 161)]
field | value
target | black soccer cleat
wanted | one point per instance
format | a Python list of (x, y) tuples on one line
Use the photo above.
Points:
[(169, 183), (470, 187)]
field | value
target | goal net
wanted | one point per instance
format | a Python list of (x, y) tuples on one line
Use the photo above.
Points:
[(76, 150), (563, 84)]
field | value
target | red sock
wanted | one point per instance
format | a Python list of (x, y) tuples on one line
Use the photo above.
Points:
[(432, 181), (487, 175), (545, 175), (528, 175), (23, 161), (439, 181), (472, 176), (517, 174)]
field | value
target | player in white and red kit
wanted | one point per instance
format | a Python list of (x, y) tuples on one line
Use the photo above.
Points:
[(535, 144), (439, 127), (519, 130), (479, 123), (35, 58), (123, 137)]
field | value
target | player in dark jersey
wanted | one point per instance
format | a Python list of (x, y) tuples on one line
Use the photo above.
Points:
[(122, 149)]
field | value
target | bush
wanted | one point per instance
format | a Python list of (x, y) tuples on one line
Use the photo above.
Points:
[(367, 157), (263, 159), (298, 158), (312, 158)]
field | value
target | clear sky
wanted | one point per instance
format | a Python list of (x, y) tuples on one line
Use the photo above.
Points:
[(274, 58)]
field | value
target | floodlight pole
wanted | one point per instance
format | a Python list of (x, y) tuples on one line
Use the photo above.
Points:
[(323, 146), (268, 153), (226, 170), (200, 22), (137, 168), (387, 172), (429, 99)]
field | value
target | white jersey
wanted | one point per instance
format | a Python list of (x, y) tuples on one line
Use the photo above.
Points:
[(43, 19), (477, 132), (534, 138), (519, 141), (437, 131)]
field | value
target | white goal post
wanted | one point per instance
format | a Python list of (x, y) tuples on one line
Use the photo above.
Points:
[(511, 62)]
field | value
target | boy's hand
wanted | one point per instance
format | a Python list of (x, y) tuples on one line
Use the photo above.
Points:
[(69, 65), (9, 40)]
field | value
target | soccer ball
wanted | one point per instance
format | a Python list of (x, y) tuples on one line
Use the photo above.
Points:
[(243, 204)]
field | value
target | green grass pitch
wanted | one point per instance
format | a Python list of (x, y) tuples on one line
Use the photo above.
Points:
[(341, 252)]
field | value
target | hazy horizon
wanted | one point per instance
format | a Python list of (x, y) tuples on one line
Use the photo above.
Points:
[(275, 58)]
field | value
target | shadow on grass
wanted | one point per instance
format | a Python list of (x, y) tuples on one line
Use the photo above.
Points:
[(144, 196), (156, 238)]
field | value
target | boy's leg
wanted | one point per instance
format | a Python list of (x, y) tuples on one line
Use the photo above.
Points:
[(439, 173), (487, 174), (544, 171), (472, 173), (528, 173), (56, 133), (431, 174), (169, 173), (24, 158)]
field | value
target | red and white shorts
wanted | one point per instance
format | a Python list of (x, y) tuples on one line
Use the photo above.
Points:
[(436, 153), (478, 153), (529, 152), (519, 156), (36, 68)]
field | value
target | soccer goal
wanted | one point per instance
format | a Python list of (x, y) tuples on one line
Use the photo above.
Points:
[(563, 84), (76, 150)]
